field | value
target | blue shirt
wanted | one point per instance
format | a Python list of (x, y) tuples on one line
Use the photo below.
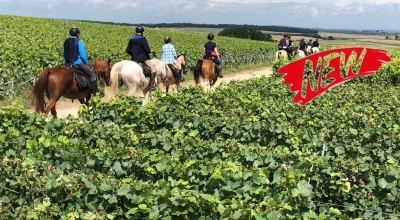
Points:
[(82, 57), (168, 54)]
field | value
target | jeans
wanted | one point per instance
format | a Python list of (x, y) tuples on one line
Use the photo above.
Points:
[(216, 60)]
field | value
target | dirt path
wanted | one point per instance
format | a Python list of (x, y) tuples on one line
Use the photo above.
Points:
[(64, 108)]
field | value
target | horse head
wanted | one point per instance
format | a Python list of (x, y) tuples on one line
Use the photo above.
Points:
[(182, 60), (102, 68)]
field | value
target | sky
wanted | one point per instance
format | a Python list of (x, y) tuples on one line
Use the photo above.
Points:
[(343, 14)]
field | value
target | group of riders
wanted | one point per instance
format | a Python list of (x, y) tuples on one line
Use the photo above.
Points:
[(138, 48), (287, 44)]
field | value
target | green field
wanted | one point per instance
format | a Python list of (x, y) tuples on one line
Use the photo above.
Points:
[(244, 151), (25, 52)]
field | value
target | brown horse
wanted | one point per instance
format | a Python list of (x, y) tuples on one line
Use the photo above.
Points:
[(206, 68), (182, 60), (60, 81)]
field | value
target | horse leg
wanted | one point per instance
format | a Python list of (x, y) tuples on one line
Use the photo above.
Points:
[(52, 106), (166, 89)]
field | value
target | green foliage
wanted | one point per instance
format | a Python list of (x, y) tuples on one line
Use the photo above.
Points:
[(244, 152), (28, 45)]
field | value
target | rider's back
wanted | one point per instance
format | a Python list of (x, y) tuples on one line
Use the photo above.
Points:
[(139, 49)]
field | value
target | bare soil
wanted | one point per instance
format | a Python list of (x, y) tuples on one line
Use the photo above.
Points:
[(65, 108)]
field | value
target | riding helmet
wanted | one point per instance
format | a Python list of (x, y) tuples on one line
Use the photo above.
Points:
[(167, 40), (74, 31), (210, 36), (139, 29)]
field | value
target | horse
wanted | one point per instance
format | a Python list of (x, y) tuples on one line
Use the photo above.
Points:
[(60, 82), (131, 74), (206, 68), (296, 51), (314, 50), (170, 79), (280, 54)]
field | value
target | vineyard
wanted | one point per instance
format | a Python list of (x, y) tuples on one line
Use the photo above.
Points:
[(245, 151), (27, 45)]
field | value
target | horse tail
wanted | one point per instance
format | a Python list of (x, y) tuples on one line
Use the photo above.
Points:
[(38, 91), (197, 71), (112, 90)]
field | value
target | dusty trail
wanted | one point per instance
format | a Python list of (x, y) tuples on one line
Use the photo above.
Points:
[(65, 108)]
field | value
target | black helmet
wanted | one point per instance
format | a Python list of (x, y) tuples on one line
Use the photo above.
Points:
[(74, 31), (139, 29), (167, 39), (285, 35), (210, 36)]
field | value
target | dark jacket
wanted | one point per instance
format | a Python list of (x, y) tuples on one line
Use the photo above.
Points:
[(315, 44), (138, 48), (282, 42)]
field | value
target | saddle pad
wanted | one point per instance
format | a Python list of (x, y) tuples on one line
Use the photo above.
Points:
[(82, 79)]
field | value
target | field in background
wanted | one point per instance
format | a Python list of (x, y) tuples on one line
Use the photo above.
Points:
[(341, 39)]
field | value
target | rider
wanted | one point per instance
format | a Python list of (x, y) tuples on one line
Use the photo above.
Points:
[(210, 51), (139, 49), (303, 45), (310, 43), (74, 52), (315, 43), (168, 55), (290, 45), (284, 44)]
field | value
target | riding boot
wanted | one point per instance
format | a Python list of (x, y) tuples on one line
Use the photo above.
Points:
[(152, 82), (94, 87), (180, 78), (219, 67)]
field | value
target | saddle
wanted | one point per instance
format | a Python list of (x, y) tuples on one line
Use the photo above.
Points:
[(174, 70), (81, 77), (146, 69)]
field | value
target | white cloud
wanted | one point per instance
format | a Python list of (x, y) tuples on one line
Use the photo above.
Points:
[(124, 5)]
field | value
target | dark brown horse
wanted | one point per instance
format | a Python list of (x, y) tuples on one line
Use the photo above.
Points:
[(206, 68), (59, 81)]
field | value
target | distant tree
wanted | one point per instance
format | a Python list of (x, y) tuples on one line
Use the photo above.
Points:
[(330, 38)]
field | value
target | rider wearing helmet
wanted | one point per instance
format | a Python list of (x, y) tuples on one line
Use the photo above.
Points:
[(168, 55), (74, 52), (139, 49), (210, 51)]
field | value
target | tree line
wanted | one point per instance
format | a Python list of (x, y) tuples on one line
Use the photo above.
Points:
[(246, 33), (188, 25)]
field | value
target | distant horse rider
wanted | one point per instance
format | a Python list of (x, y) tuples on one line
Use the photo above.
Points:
[(211, 51), (315, 43), (139, 49), (283, 44), (303, 45), (168, 56), (290, 46), (74, 52)]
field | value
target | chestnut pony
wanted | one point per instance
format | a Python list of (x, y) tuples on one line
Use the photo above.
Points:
[(59, 81), (181, 59), (206, 68)]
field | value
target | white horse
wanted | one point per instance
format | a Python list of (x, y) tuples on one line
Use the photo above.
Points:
[(130, 73), (315, 50), (281, 54)]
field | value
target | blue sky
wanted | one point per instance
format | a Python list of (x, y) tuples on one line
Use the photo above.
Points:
[(355, 14)]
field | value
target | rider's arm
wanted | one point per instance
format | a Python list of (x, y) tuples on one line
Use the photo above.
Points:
[(129, 48), (173, 51), (82, 52), (146, 47), (216, 51)]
